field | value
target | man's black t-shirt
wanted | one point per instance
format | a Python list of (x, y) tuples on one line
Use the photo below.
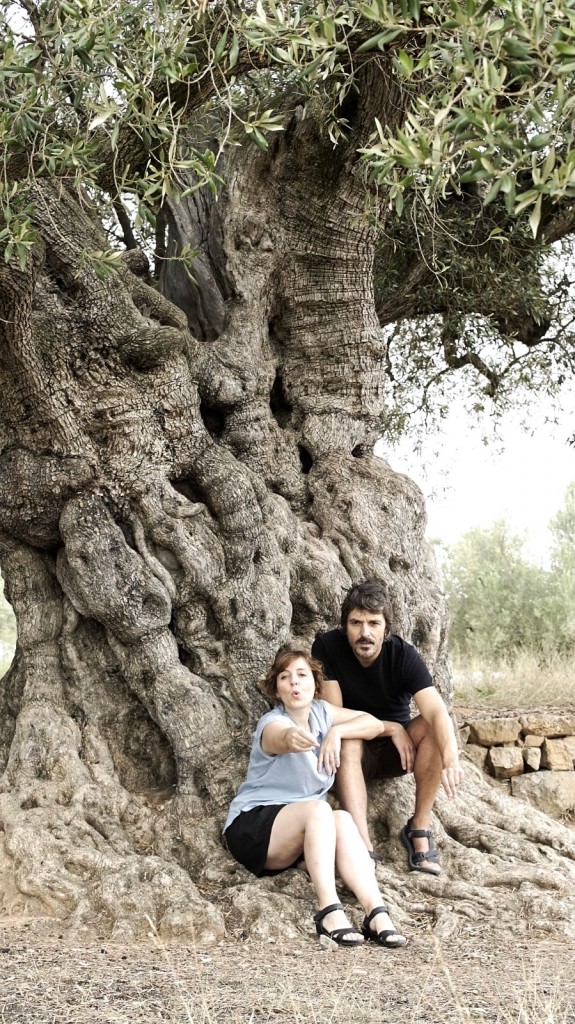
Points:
[(385, 688)]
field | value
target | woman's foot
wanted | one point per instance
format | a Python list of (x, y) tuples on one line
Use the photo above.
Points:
[(332, 925), (378, 927)]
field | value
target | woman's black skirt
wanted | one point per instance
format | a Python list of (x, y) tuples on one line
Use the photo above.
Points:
[(248, 837)]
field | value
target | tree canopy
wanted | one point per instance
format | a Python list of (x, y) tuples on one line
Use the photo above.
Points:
[(491, 86), (469, 188)]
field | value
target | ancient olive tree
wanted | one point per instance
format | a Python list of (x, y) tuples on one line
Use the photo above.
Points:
[(187, 476)]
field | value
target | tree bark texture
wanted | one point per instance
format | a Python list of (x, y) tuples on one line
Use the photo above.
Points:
[(186, 482)]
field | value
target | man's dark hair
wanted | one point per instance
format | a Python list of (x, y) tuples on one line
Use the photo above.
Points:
[(368, 596)]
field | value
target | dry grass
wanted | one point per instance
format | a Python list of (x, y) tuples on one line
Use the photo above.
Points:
[(521, 683), (478, 975)]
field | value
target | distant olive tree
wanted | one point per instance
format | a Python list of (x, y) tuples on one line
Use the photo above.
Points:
[(499, 602), (562, 581)]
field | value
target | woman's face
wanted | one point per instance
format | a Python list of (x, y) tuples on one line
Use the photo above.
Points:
[(295, 684)]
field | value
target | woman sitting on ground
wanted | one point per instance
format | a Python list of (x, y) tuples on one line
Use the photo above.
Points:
[(281, 813)]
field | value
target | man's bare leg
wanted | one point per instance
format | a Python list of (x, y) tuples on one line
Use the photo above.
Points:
[(351, 789), (427, 772)]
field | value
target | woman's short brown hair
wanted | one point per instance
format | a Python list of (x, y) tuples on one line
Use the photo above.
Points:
[(282, 660)]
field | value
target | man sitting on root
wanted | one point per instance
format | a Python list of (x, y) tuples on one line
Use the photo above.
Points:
[(372, 670)]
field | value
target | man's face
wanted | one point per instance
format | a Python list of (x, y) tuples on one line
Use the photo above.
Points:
[(365, 632)]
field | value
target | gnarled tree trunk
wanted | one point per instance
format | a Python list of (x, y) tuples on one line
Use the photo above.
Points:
[(176, 503)]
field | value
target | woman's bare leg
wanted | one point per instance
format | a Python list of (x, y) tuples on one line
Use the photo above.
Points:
[(309, 827), (355, 868)]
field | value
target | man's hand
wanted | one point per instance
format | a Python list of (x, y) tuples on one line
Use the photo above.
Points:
[(451, 778), (330, 751), (403, 744), (432, 709)]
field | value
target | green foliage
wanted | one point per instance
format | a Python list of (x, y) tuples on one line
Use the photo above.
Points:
[(562, 529), (500, 111), (489, 87), (501, 604), (495, 597), (89, 93), (486, 297)]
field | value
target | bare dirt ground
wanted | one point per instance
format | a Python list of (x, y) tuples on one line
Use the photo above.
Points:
[(474, 976)]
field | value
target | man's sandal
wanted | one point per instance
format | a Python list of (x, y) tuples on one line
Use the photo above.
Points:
[(416, 857), (338, 935), (389, 938)]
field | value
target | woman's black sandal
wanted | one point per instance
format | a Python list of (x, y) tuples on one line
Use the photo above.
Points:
[(390, 938), (337, 936)]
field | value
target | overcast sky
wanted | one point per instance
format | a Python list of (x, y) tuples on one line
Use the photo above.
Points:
[(522, 479)]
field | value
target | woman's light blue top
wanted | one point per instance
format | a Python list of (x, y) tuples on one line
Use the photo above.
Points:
[(284, 778)]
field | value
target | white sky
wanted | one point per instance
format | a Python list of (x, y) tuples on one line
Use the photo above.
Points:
[(521, 479)]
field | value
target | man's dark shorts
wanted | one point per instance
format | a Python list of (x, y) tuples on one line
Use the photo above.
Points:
[(381, 759)]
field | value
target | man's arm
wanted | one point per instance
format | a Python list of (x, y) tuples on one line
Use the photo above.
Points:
[(348, 724), (431, 707), (331, 692)]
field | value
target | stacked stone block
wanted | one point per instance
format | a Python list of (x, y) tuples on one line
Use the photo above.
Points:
[(534, 751)]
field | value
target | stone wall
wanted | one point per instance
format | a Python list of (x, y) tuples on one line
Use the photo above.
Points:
[(532, 752)]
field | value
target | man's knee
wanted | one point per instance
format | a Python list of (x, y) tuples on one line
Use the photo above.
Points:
[(351, 752), (419, 730)]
